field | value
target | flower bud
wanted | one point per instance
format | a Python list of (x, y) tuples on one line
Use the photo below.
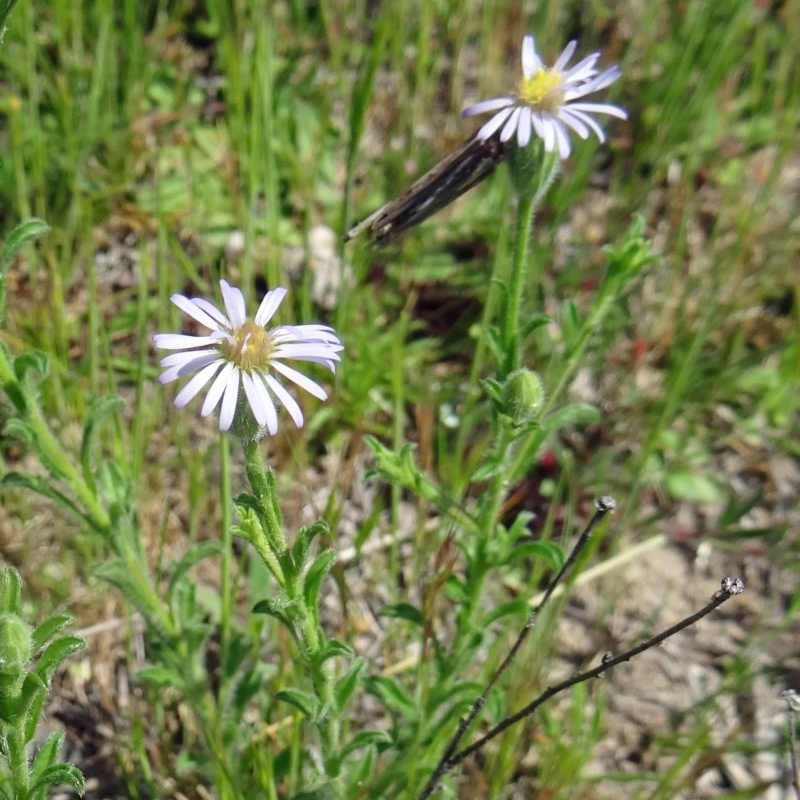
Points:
[(523, 396), (16, 647)]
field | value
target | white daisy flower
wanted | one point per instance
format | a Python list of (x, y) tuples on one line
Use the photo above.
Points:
[(238, 351), (545, 103)]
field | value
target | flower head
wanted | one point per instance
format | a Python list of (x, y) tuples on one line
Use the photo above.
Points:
[(238, 352), (545, 102)]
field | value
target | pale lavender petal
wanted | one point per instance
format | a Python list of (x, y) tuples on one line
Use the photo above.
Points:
[(321, 361), (195, 385), (260, 401), (286, 400), (524, 127), (325, 332), (574, 121), (491, 127), (227, 411), (305, 333), (600, 81), (485, 106), (582, 71), (566, 55), (212, 311), (306, 350), (253, 398), (301, 380), (599, 108), (227, 374), (510, 126), (269, 305), (191, 308), (579, 121), (548, 133), (234, 304), (180, 341), (530, 61), (186, 357), (562, 137), (191, 363), (538, 124)]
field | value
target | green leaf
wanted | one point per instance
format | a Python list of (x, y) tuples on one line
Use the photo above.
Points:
[(770, 536), (11, 591), (302, 543), (244, 503), (185, 599), (55, 653), (571, 321), (320, 791), (13, 390), (194, 555), (118, 489), (379, 739), (394, 467), (552, 553), (403, 611), (364, 86), (388, 691), (494, 336), (536, 321), (346, 685), (280, 609), (67, 774), (628, 257), (494, 389), (19, 480), (694, 487), (399, 468), (316, 573), (97, 413), (576, 414), (19, 429), (335, 648), (31, 361), (30, 229), (573, 414), (49, 628), (456, 590), (47, 756), (302, 701), (252, 683), (34, 694), (118, 574), (488, 468), (235, 654), (513, 608), (163, 677)]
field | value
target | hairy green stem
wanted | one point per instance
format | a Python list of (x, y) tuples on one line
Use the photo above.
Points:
[(512, 346), (272, 547), (17, 755)]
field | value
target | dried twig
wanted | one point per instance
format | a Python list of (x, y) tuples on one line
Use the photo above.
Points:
[(793, 705), (729, 587), (604, 505)]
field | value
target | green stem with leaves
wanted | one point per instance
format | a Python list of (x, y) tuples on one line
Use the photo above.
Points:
[(50, 451), (271, 545)]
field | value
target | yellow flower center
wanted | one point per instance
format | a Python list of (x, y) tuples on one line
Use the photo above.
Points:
[(250, 347), (542, 90)]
